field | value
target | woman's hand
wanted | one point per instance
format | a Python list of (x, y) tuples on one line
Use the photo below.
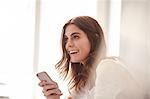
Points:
[(51, 91)]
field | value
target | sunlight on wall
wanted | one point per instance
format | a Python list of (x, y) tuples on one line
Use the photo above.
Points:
[(114, 28), (16, 48)]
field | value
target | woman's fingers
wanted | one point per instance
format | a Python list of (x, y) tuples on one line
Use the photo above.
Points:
[(52, 92), (53, 97), (50, 89), (42, 83)]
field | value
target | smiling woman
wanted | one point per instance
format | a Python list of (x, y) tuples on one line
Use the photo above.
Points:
[(83, 46), (90, 74), (84, 37)]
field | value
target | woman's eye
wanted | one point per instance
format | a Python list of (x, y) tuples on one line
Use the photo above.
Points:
[(75, 37)]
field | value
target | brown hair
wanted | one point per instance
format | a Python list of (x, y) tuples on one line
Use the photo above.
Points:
[(80, 72)]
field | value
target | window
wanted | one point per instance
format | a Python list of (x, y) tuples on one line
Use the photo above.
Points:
[(16, 48)]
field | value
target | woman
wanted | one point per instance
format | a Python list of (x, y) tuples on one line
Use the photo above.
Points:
[(83, 48)]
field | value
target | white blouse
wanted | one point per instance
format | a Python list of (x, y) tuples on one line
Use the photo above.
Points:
[(113, 81)]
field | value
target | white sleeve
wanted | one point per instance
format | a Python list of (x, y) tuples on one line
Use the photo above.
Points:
[(113, 81)]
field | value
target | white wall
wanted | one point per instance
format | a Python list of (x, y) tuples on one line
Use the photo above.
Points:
[(103, 13), (134, 37), (148, 49), (16, 48), (134, 33)]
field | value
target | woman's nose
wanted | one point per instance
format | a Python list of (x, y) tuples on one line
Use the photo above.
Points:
[(69, 43)]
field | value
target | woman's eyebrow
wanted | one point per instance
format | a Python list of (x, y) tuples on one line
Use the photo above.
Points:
[(75, 33)]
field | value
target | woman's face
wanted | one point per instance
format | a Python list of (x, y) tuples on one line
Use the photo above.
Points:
[(77, 43)]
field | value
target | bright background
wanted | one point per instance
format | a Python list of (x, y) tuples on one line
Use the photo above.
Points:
[(30, 40)]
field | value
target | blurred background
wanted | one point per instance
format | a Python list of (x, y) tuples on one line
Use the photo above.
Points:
[(30, 40)]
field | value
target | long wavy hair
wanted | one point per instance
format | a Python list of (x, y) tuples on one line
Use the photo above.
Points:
[(80, 72)]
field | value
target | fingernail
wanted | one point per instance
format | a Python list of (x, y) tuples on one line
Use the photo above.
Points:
[(59, 93)]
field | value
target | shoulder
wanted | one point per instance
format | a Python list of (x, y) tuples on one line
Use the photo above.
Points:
[(115, 60), (111, 71), (111, 64)]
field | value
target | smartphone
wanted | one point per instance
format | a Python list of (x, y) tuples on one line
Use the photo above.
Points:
[(44, 76)]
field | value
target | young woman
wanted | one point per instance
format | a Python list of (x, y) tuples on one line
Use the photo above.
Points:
[(84, 64)]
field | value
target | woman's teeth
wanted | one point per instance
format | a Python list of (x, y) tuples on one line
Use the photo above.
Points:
[(73, 52)]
